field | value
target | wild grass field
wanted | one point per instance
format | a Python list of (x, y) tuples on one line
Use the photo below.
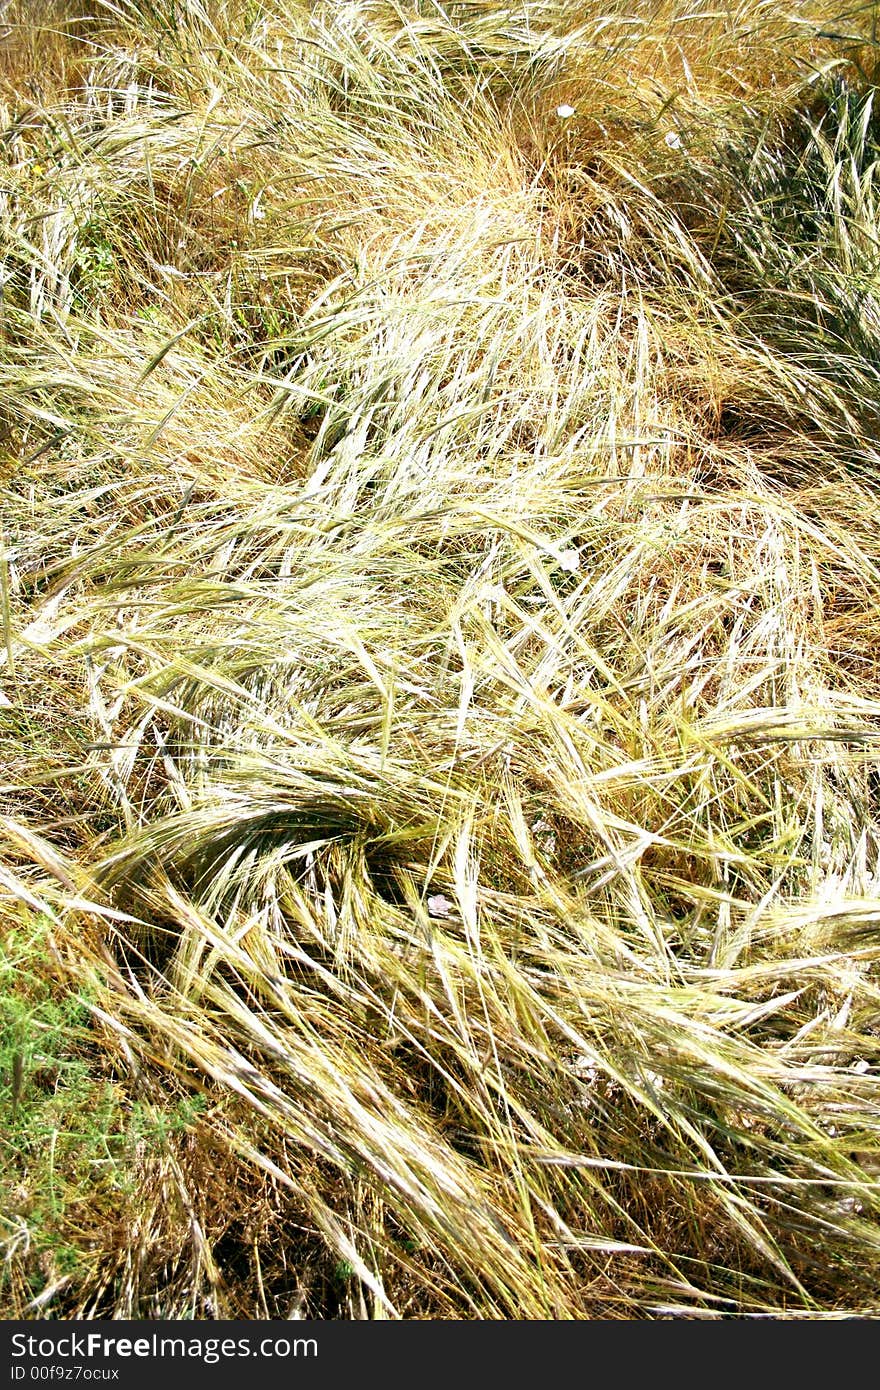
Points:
[(440, 661)]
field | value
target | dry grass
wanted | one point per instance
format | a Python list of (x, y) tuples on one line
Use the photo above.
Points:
[(440, 686)]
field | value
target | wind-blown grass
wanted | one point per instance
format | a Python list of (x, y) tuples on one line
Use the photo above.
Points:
[(440, 676)]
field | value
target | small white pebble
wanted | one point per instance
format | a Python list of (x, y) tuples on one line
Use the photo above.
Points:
[(564, 112), (569, 560), (439, 905), (848, 1204), (861, 1066), (586, 1070), (673, 140)]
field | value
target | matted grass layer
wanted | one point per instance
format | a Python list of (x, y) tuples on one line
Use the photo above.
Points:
[(439, 687)]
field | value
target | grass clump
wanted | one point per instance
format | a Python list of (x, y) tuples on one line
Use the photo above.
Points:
[(439, 679), (76, 1147)]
